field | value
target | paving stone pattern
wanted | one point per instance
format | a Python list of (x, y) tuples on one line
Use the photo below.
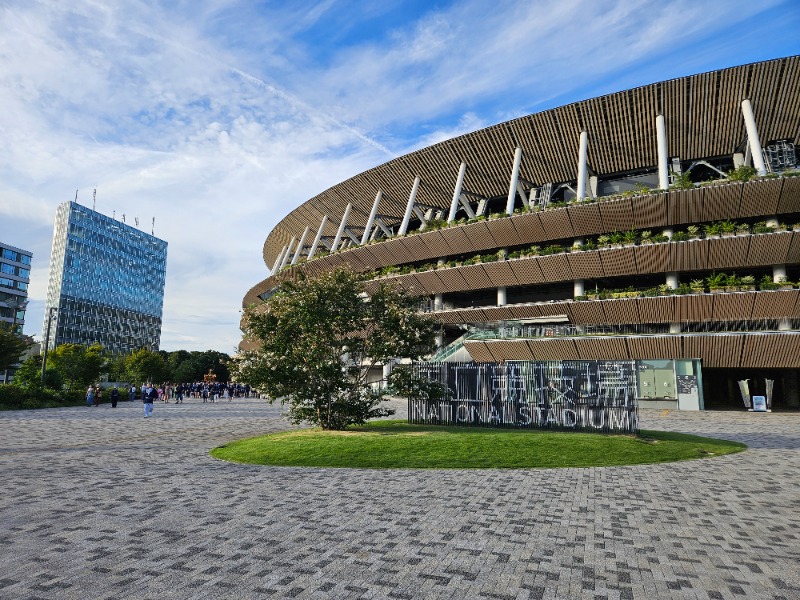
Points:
[(102, 503)]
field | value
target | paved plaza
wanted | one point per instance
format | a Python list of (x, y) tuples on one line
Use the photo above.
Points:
[(102, 503)]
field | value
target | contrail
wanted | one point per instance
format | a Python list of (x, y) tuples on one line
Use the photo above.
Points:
[(293, 100)]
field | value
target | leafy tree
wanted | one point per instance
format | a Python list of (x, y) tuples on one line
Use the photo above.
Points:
[(78, 365), (29, 375), (145, 366), (317, 340), (12, 345)]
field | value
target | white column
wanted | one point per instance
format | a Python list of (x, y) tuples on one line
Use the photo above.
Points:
[(674, 327), (371, 220), (672, 280), (300, 245), (317, 238), (457, 192), (578, 288), (387, 370), (278, 260), (663, 159), (778, 273), (342, 225), (582, 170), (752, 137), (501, 296), (438, 302), (285, 258), (409, 207), (512, 185)]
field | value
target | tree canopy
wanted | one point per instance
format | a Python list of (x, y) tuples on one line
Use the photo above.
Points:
[(319, 337), (79, 365), (12, 345)]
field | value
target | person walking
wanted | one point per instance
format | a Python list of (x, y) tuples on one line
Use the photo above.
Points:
[(90, 396), (114, 397), (150, 395), (133, 393)]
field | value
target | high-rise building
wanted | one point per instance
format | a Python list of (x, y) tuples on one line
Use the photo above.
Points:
[(15, 266), (106, 283)]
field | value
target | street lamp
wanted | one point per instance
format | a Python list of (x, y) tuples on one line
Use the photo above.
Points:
[(50, 312), (21, 303)]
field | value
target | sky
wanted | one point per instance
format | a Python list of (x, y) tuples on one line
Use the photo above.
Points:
[(219, 117)]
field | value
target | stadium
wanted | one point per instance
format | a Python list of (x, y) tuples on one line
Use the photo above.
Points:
[(659, 225)]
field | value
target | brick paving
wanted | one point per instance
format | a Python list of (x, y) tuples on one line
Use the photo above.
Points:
[(102, 503)]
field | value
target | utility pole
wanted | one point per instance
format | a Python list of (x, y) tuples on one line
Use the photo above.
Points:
[(47, 340)]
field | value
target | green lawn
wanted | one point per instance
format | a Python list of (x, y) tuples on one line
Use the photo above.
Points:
[(398, 445)]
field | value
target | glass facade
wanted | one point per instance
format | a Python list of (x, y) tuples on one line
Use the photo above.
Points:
[(14, 278), (106, 282)]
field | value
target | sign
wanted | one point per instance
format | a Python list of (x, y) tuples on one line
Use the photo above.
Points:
[(759, 404), (598, 396)]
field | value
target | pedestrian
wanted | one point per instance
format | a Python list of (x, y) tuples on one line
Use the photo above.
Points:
[(97, 395), (133, 393), (179, 394), (148, 398), (90, 397), (114, 397)]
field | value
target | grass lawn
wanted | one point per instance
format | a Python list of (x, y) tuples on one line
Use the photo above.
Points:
[(399, 445)]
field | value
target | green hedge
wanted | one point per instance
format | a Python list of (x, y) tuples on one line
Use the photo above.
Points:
[(14, 397)]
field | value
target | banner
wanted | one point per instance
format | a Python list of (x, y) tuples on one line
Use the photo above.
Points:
[(597, 396)]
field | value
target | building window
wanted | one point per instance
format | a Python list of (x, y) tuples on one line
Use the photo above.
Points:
[(9, 254), (7, 269)]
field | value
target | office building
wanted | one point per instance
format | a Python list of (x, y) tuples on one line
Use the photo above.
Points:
[(659, 225), (106, 283), (15, 268)]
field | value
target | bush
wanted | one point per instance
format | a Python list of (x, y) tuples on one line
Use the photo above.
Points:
[(14, 397)]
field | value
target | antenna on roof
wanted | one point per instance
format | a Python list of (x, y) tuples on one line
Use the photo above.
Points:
[(76, 195), (113, 214), (94, 198), (137, 220), (153, 227)]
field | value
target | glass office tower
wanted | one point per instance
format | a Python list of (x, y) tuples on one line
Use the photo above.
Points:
[(106, 283)]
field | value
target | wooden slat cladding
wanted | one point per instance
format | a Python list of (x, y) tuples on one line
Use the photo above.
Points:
[(526, 270), (498, 313), (457, 240), (556, 224), (651, 258), (585, 265), (602, 348), (555, 267), (500, 274), (649, 211), (689, 256), (504, 233), (774, 304), (721, 201), (475, 277), (525, 311), (529, 228), (553, 349), (588, 313), (430, 282), (478, 351), (453, 280), (769, 249), (760, 197), (621, 312), (716, 350), (503, 350), (685, 206), (656, 310), (693, 308), (618, 261), (416, 248), (479, 235), (790, 196), (793, 256), (771, 350), (728, 252), (435, 243), (733, 307), (654, 347), (585, 219), (617, 215)]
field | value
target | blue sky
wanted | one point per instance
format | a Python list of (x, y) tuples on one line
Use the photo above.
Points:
[(218, 117)]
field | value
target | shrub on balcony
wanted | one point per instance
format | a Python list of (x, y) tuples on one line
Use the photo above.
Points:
[(680, 236), (742, 173)]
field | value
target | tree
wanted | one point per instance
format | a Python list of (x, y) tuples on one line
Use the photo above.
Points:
[(29, 375), (12, 345), (318, 339), (78, 365), (145, 366)]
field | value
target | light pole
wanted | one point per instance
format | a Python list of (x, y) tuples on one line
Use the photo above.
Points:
[(47, 340), (22, 303)]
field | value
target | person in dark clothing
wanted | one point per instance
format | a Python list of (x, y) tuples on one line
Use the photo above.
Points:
[(114, 397), (148, 398)]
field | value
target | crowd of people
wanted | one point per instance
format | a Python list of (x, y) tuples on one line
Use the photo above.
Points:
[(167, 392)]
